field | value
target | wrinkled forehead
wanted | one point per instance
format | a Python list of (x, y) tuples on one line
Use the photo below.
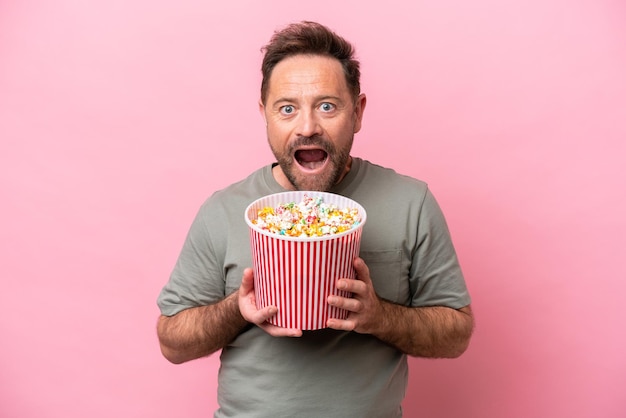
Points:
[(307, 74)]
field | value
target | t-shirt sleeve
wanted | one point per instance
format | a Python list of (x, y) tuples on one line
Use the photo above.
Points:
[(197, 278), (436, 276)]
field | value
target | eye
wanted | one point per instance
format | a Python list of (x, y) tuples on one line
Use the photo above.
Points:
[(287, 109), (327, 107)]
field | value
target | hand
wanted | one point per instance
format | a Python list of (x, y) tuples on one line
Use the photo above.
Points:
[(365, 307), (259, 317)]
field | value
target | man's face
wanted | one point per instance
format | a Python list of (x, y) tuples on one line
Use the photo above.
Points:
[(311, 121)]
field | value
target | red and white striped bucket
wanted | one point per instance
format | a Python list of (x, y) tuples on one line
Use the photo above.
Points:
[(297, 274)]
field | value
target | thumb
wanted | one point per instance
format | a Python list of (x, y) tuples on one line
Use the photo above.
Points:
[(362, 271), (247, 280)]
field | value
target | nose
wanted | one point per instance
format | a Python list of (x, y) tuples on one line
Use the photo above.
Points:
[(308, 124)]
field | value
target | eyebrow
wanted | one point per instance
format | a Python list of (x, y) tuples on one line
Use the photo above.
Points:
[(317, 99)]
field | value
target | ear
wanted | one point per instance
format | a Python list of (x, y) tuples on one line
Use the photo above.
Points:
[(359, 108), (262, 111)]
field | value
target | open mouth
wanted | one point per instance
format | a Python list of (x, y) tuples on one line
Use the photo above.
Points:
[(311, 159)]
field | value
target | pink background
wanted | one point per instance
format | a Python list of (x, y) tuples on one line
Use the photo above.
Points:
[(118, 118)]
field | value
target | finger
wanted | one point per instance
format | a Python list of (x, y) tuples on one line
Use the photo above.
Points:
[(352, 286), (247, 280), (276, 331), (349, 304), (362, 271), (340, 325), (260, 316), (362, 282)]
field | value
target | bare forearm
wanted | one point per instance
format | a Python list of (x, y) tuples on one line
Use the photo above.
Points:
[(199, 332), (436, 332)]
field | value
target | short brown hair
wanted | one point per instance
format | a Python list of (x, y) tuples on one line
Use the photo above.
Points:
[(310, 38)]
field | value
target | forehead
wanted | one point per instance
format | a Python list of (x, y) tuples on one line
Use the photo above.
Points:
[(302, 74)]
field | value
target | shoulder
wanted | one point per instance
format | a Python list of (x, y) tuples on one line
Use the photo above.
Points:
[(237, 195), (386, 183), (375, 172)]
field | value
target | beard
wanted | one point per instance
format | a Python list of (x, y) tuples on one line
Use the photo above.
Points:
[(335, 166)]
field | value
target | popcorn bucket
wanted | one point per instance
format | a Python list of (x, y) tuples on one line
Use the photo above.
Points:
[(297, 274)]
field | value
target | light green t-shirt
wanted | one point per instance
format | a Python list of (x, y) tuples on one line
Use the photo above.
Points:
[(324, 373)]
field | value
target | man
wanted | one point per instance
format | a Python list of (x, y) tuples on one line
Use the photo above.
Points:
[(410, 297)]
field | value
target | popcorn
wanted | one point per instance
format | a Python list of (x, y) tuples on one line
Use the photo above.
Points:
[(309, 218), (299, 249)]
